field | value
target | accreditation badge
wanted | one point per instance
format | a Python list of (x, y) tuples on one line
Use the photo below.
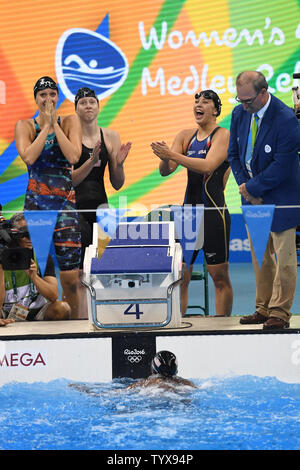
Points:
[(18, 312)]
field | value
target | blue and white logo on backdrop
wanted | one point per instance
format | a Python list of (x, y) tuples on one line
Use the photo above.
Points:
[(89, 58)]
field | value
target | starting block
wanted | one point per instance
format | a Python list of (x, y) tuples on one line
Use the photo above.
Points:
[(135, 283)]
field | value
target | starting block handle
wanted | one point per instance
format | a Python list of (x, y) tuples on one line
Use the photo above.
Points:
[(90, 288), (173, 285)]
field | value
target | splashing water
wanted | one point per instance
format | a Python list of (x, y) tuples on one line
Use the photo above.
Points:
[(230, 413)]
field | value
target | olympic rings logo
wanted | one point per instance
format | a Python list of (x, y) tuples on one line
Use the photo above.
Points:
[(135, 355), (134, 359)]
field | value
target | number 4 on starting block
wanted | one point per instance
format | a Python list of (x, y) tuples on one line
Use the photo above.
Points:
[(135, 312)]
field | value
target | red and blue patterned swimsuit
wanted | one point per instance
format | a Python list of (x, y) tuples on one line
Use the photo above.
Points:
[(50, 187)]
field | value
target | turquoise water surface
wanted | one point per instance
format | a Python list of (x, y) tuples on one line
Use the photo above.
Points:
[(222, 414)]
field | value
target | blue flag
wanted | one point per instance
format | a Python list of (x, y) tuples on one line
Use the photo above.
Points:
[(189, 228), (41, 226), (108, 219), (258, 219)]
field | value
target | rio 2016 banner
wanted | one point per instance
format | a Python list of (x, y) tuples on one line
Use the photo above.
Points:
[(145, 60)]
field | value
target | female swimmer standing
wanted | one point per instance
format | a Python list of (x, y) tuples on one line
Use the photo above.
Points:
[(50, 145), (203, 151)]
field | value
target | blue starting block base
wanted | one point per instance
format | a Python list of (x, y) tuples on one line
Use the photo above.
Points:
[(133, 259)]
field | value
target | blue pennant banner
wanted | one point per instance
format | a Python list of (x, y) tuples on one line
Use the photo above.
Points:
[(41, 226), (258, 219), (108, 219), (189, 228)]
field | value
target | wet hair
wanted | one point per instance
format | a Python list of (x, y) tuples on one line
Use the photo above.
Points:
[(43, 83), (85, 92), (164, 363), (211, 95)]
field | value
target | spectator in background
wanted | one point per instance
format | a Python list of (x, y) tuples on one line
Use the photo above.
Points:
[(263, 155), (25, 294)]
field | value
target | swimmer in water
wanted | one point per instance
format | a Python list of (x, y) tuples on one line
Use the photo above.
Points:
[(163, 376), (164, 368)]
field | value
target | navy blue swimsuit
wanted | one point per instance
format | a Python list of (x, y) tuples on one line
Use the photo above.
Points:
[(208, 189)]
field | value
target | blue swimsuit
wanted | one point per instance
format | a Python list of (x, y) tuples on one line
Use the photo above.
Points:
[(208, 189)]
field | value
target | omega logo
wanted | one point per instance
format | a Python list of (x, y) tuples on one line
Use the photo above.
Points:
[(24, 359)]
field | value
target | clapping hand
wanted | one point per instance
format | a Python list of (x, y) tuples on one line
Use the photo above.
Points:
[(123, 153), (161, 150), (95, 154)]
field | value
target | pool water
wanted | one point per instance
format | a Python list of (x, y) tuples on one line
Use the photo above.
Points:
[(243, 412)]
